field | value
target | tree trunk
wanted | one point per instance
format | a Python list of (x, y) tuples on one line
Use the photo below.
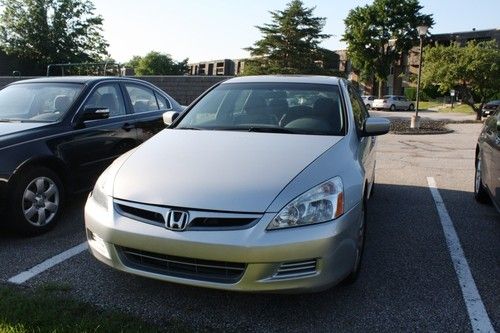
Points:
[(380, 88)]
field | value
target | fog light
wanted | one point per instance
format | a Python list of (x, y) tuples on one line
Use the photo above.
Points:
[(98, 244)]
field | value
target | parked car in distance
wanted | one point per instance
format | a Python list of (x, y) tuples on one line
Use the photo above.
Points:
[(393, 103), (490, 108), (368, 100), (487, 179), (58, 134), (240, 194)]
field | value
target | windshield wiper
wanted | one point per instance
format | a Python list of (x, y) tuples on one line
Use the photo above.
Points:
[(269, 130), (189, 128)]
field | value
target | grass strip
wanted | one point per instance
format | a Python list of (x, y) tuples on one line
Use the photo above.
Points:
[(47, 309)]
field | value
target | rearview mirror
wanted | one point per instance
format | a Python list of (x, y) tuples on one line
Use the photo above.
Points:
[(94, 113), (376, 126), (169, 117)]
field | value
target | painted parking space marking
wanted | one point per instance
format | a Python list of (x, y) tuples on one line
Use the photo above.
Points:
[(47, 264), (475, 308)]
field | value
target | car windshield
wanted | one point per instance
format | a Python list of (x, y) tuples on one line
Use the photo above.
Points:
[(292, 108), (37, 102)]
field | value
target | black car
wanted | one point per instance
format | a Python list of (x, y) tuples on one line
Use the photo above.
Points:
[(487, 179), (58, 134), (490, 108)]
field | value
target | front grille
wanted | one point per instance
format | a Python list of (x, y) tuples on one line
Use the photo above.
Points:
[(296, 269), (200, 220), (189, 268), (140, 214), (220, 222)]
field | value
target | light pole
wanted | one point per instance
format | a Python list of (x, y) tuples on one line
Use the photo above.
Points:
[(422, 31)]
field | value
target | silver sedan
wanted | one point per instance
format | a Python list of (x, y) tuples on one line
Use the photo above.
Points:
[(260, 185)]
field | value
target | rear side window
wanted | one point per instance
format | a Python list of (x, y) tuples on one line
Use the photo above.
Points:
[(163, 103), (143, 99)]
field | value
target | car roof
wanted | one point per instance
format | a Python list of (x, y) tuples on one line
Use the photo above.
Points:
[(497, 101), (315, 79), (73, 79)]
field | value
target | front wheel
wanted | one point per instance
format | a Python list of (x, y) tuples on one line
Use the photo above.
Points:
[(360, 246), (393, 107), (479, 190), (36, 202), (411, 107)]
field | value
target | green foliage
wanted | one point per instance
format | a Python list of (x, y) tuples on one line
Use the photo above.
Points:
[(411, 93), (49, 310), (290, 44), (51, 31), (473, 71), (371, 29), (156, 63)]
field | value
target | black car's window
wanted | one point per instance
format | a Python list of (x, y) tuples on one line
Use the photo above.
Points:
[(143, 99), (358, 107), (293, 108), (44, 101), (163, 103), (107, 96)]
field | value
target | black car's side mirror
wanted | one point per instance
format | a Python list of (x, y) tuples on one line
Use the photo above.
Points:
[(94, 113)]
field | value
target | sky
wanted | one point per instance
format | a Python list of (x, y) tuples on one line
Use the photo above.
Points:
[(219, 29)]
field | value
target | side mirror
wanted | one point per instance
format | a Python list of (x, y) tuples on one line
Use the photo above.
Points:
[(376, 126), (94, 113), (169, 117)]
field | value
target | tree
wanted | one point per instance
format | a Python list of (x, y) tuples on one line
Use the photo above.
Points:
[(378, 34), (290, 44), (473, 70), (156, 63), (51, 31)]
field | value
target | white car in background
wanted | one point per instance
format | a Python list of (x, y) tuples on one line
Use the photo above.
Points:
[(393, 103), (368, 100)]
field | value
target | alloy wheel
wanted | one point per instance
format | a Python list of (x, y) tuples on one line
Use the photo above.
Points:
[(41, 201)]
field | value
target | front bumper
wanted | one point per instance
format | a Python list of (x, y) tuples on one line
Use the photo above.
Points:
[(332, 245)]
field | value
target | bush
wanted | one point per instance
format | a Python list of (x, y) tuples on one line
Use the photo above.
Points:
[(411, 93)]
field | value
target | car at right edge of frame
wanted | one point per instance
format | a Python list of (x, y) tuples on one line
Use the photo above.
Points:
[(487, 162), (245, 191)]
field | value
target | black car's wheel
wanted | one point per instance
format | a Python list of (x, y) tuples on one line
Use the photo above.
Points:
[(411, 107), (360, 246), (36, 202), (393, 107), (479, 189)]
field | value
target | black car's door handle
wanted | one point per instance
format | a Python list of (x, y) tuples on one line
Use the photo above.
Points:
[(127, 127)]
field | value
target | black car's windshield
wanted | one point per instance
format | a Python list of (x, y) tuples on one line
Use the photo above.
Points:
[(44, 102), (291, 108)]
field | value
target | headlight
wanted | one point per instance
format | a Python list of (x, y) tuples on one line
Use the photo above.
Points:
[(101, 188), (322, 203)]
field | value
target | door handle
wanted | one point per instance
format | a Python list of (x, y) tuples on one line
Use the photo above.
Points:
[(127, 127)]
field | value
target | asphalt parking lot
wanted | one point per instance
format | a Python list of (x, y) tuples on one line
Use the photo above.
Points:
[(408, 282)]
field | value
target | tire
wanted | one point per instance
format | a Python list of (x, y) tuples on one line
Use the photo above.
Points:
[(393, 107), (411, 107), (353, 276), (37, 201), (368, 107), (480, 193)]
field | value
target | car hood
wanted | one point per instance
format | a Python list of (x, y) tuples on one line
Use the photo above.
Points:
[(7, 128), (216, 170)]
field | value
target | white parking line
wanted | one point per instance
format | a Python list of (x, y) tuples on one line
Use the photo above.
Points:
[(49, 263), (477, 313)]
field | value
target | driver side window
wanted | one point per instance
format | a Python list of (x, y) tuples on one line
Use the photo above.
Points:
[(109, 97)]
